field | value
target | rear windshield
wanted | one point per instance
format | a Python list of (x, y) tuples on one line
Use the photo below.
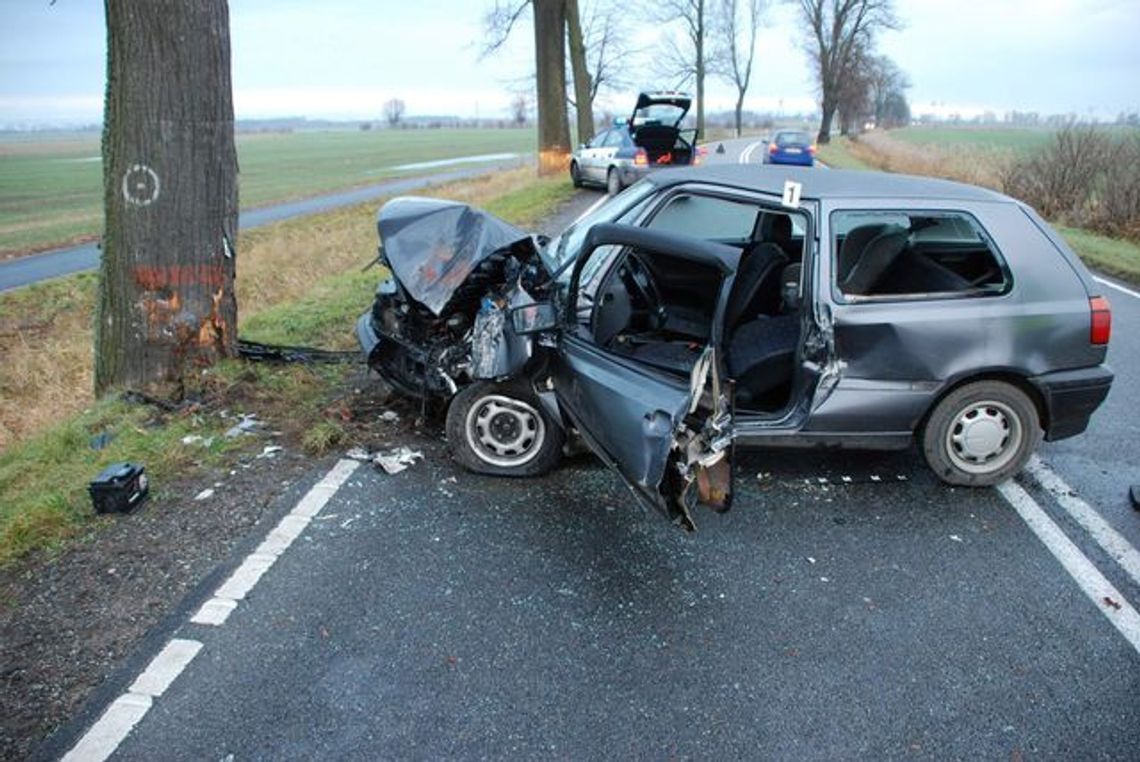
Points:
[(658, 113), (792, 138)]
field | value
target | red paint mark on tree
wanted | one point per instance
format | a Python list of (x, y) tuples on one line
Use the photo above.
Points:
[(158, 277)]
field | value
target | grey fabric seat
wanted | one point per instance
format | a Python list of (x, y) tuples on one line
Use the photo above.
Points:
[(866, 255), (762, 355)]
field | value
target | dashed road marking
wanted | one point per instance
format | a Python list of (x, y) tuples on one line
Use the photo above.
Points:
[(1099, 590), (1108, 538), (103, 738)]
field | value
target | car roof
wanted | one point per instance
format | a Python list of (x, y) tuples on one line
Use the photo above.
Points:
[(826, 183)]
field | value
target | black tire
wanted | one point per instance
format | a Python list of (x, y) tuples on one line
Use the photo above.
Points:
[(981, 434), (502, 430), (575, 174), (613, 182)]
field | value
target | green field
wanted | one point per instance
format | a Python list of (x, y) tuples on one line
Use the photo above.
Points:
[(1017, 140), (51, 185)]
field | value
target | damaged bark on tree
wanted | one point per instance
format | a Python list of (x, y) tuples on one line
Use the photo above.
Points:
[(166, 301)]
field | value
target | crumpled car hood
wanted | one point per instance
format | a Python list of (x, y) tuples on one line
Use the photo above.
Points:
[(431, 246)]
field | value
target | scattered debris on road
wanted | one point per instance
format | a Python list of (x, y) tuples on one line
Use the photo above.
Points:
[(270, 450), (249, 424), (397, 460), (1136, 496), (205, 494), (119, 488)]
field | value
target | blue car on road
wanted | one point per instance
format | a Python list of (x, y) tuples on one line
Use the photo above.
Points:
[(791, 147)]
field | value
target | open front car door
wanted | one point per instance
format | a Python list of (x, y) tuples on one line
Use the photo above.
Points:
[(665, 427)]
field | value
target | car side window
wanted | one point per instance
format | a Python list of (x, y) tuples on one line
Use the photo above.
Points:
[(598, 140), (914, 254), (613, 139), (708, 217)]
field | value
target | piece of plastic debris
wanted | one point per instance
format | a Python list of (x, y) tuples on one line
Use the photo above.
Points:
[(810, 560), (1110, 602), (1135, 496), (247, 425), (196, 439), (395, 461), (101, 440), (389, 416), (955, 538), (205, 494), (824, 579), (270, 450), (358, 453)]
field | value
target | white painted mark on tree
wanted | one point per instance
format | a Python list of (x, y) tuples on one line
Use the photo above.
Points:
[(140, 185)]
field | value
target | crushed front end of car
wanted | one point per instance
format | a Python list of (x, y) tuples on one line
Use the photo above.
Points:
[(448, 263)]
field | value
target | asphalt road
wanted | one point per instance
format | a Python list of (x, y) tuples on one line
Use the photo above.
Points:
[(848, 607), (52, 264)]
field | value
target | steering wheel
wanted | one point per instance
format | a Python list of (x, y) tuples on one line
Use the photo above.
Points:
[(645, 298)]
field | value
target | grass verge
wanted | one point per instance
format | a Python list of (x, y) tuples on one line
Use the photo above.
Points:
[(299, 282)]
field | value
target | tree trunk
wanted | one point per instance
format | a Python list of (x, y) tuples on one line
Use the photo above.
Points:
[(828, 110), (739, 112), (166, 289), (550, 60), (699, 67), (583, 101)]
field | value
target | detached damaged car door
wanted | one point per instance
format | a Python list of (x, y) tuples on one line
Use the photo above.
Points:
[(652, 405)]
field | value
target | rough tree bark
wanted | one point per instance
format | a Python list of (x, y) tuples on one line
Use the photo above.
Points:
[(583, 86), (166, 290), (550, 58)]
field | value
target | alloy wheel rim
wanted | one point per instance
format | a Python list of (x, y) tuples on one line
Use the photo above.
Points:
[(504, 432)]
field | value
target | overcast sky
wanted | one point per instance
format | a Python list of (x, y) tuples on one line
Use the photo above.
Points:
[(344, 58)]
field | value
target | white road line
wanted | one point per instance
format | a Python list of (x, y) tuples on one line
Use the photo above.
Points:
[(593, 206), (1100, 591), (165, 667), (1116, 286), (102, 738), (746, 154), (105, 735), (1108, 538)]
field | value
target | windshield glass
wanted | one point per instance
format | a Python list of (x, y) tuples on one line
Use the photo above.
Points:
[(564, 249)]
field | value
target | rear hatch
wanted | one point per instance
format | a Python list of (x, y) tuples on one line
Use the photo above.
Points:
[(656, 127)]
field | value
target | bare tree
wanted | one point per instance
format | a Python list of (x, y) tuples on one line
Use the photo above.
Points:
[(520, 108), (853, 100), (550, 60), (888, 93), (166, 287), (834, 30), (685, 60), (735, 25), (394, 111), (583, 100), (607, 49)]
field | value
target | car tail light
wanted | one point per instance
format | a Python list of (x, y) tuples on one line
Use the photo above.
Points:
[(1101, 320), (772, 148), (641, 158), (665, 158), (702, 152), (812, 149)]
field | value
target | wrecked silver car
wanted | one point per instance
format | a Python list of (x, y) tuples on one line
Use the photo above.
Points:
[(743, 305)]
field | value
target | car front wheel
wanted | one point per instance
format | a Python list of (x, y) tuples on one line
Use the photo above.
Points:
[(575, 174), (981, 434), (502, 430)]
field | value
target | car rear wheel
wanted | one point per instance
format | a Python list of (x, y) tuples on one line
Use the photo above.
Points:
[(502, 430), (981, 434), (613, 182), (575, 174)]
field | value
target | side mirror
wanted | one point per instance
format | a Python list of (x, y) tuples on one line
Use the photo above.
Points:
[(534, 318)]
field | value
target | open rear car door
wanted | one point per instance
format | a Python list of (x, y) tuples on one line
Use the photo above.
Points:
[(669, 436)]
